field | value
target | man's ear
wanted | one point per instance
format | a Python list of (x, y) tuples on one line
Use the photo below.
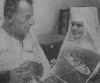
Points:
[(7, 22)]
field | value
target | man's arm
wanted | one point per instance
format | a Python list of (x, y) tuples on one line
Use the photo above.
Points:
[(27, 72)]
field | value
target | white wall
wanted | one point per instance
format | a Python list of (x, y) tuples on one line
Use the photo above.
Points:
[(46, 11)]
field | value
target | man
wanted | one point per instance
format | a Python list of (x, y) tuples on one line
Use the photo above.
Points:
[(18, 48)]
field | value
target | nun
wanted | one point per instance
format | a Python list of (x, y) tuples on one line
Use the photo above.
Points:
[(79, 57)]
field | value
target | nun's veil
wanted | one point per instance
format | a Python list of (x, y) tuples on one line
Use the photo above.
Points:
[(89, 39)]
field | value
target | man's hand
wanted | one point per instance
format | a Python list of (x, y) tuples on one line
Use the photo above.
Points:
[(28, 71)]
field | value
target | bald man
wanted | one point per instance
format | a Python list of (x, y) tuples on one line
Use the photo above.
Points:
[(17, 46)]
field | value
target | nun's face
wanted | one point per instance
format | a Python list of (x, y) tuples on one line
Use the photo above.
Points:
[(77, 29)]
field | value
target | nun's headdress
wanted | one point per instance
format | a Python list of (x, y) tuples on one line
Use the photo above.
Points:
[(89, 17)]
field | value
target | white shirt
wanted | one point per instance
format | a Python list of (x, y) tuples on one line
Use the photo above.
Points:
[(12, 54)]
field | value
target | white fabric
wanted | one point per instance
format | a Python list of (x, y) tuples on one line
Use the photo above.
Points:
[(90, 19), (12, 54)]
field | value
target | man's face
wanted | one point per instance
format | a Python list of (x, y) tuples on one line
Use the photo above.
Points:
[(23, 19), (77, 29)]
